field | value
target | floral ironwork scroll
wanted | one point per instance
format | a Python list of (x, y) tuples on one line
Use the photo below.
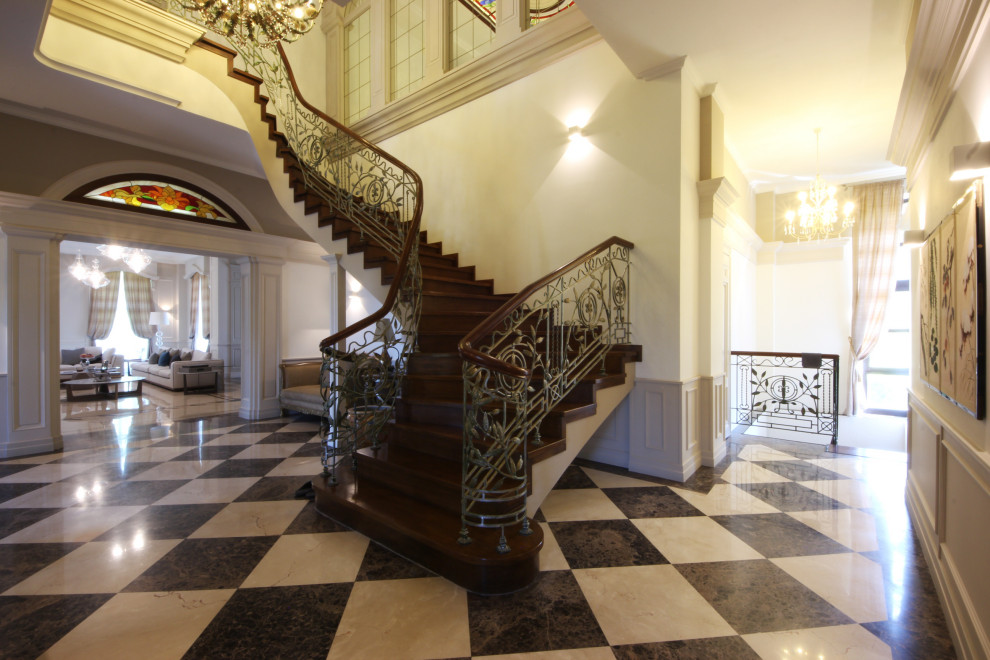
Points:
[(364, 364), (521, 363), (796, 392)]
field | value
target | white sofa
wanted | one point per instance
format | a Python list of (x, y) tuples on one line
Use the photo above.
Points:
[(170, 377), (107, 355)]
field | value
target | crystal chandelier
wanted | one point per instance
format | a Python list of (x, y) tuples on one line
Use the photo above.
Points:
[(261, 22), (135, 258), (91, 276), (818, 216)]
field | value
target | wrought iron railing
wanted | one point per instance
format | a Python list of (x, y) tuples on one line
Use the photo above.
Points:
[(520, 363), (796, 392), (363, 364)]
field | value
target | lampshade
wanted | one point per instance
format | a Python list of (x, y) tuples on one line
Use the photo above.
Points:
[(159, 318)]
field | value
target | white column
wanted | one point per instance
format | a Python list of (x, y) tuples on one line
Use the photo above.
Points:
[(338, 294), (261, 290), (31, 421), (714, 199)]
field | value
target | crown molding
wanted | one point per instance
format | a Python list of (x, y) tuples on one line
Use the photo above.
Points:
[(942, 49)]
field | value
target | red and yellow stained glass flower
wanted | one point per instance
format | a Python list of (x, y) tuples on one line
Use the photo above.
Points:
[(168, 198)]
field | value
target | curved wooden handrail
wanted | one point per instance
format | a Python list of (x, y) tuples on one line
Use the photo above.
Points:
[(773, 354), (466, 346), (411, 236)]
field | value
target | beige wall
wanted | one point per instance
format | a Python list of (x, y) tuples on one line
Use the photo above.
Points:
[(305, 309), (949, 467), (497, 173)]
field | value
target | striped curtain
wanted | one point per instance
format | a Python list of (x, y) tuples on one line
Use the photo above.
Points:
[(194, 304), (206, 307), (137, 295), (102, 307)]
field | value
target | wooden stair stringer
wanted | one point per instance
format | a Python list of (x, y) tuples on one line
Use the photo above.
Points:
[(216, 65), (545, 473)]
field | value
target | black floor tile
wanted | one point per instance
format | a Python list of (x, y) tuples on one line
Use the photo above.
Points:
[(646, 502), (204, 564), (799, 470), (311, 521), (296, 622), (549, 615), (13, 468), (756, 596), (128, 493), (574, 477), (789, 496), (248, 467), (14, 520), (116, 470), (712, 648), (291, 437), (168, 521), (604, 543), (211, 453), (261, 427), (310, 449), (29, 625), (270, 489), (19, 561), (382, 564), (14, 490), (779, 535)]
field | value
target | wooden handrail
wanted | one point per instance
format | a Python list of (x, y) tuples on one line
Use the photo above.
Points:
[(466, 346), (773, 354), (411, 235)]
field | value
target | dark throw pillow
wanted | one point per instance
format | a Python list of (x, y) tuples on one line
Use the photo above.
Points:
[(153, 358), (164, 359)]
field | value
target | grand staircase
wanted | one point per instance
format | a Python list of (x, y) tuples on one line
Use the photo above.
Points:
[(406, 491)]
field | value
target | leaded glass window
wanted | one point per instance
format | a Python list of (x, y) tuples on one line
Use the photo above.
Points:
[(470, 37), (541, 10), (357, 68), (407, 53)]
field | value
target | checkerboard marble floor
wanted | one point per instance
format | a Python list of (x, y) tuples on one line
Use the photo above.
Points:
[(184, 540)]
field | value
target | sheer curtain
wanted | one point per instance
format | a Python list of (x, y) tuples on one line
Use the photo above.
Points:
[(874, 247), (102, 307), (194, 304), (205, 302), (137, 295)]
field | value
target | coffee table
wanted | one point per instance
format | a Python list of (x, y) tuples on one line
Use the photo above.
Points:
[(105, 389)]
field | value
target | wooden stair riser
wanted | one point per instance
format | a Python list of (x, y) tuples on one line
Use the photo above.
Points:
[(442, 303), (441, 488)]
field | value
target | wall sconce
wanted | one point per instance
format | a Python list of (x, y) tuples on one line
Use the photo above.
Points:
[(970, 161), (576, 133)]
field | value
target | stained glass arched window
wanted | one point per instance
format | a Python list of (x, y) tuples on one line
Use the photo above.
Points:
[(148, 193), (541, 10)]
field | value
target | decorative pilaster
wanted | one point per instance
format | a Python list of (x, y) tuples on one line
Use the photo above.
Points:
[(511, 20), (31, 423), (261, 295)]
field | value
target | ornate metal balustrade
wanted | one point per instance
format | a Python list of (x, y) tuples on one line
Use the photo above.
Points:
[(520, 363), (796, 392), (364, 364)]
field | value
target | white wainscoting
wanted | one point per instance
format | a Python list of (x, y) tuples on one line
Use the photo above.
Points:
[(948, 496)]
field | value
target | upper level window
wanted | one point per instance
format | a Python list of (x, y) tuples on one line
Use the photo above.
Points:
[(149, 194), (357, 67), (541, 10), (407, 53), (470, 37)]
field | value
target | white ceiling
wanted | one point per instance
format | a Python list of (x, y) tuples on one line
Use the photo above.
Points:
[(781, 68)]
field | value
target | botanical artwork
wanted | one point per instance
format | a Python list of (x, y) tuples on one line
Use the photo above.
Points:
[(951, 286)]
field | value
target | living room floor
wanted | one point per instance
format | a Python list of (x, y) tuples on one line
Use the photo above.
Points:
[(168, 528)]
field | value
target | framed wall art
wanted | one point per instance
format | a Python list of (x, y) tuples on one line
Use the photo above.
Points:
[(952, 297)]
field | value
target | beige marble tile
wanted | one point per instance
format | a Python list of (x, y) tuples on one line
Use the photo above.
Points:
[(579, 504), (694, 539), (551, 558), (599, 653), (851, 492), (47, 473), (724, 500), (238, 439), (744, 472), (609, 480), (300, 466), (97, 567), (273, 450), (296, 427), (57, 496), (639, 604), (142, 625), (203, 491), (763, 453), (855, 529), (851, 642), (409, 619), (73, 525), (310, 559), (176, 470), (851, 582), (251, 519)]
